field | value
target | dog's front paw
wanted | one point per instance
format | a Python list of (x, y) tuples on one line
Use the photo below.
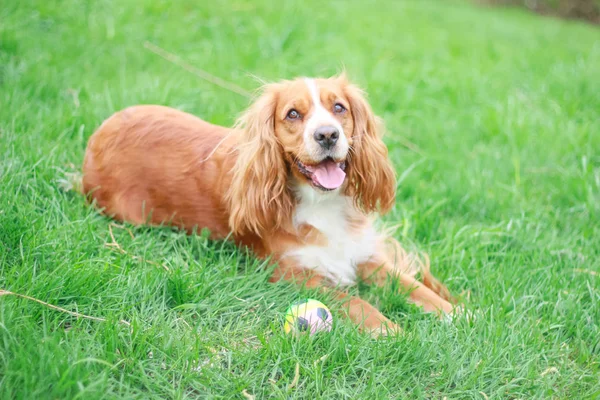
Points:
[(458, 312), (384, 328)]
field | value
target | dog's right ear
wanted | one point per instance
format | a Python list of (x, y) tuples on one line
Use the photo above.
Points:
[(259, 198)]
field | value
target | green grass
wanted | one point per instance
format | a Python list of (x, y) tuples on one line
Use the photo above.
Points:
[(494, 128)]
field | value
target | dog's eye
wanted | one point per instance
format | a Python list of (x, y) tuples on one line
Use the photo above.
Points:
[(293, 114), (338, 108)]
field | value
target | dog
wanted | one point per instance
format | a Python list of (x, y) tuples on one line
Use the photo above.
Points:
[(299, 179)]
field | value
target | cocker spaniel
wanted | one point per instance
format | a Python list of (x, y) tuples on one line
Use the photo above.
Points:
[(298, 179)]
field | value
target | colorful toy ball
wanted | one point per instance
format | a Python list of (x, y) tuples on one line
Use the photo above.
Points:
[(307, 316)]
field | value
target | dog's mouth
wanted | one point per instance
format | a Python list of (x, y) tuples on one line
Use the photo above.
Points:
[(326, 175)]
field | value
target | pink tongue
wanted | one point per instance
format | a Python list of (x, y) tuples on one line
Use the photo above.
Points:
[(328, 174)]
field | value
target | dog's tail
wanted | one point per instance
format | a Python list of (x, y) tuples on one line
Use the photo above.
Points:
[(71, 182), (416, 265)]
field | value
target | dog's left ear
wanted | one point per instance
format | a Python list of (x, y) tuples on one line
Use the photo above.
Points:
[(371, 177)]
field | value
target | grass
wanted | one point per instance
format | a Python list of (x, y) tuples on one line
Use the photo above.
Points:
[(494, 128)]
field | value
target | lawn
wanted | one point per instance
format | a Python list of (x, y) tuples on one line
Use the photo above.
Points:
[(494, 128)]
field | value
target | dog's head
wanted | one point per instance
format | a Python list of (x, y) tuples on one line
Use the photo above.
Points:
[(316, 132)]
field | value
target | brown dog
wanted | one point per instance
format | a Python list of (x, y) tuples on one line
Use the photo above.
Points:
[(298, 179)]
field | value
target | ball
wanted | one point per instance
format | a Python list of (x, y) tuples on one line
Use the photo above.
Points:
[(309, 316)]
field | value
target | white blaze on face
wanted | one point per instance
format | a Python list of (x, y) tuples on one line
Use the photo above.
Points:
[(322, 117)]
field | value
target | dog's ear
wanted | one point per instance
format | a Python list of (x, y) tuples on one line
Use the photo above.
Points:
[(259, 197), (371, 177)]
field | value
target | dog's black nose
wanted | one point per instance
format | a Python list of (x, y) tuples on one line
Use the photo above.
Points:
[(326, 136)]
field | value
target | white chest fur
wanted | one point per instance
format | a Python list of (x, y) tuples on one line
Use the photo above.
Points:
[(338, 257)]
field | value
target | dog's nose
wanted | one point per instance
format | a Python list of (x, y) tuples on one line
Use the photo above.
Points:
[(326, 136)]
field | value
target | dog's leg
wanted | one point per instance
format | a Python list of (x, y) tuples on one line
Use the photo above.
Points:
[(364, 315), (377, 271)]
